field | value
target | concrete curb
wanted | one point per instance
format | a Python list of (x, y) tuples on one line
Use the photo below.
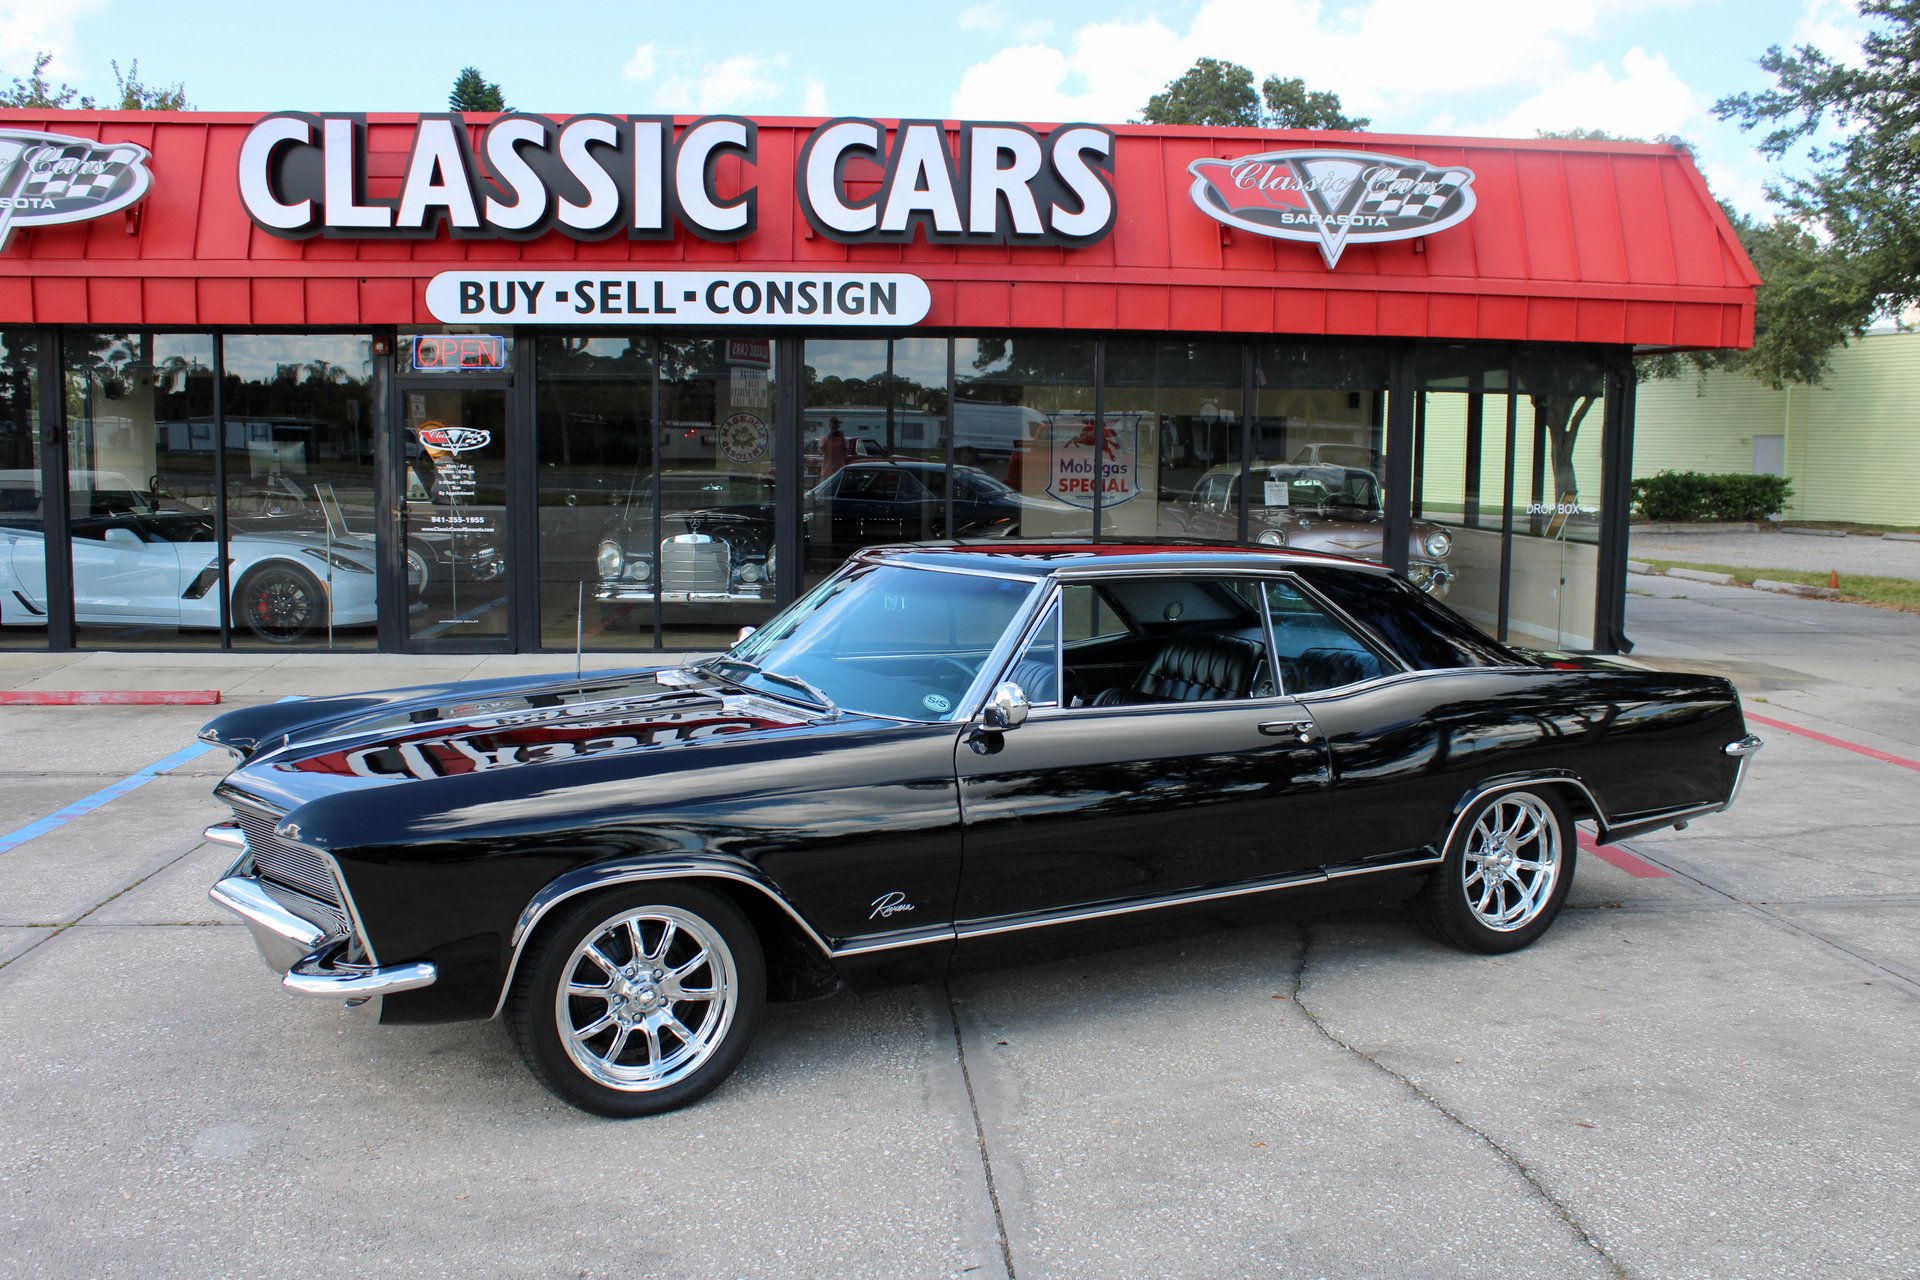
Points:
[(1675, 526), (1901, 537), (1640, 566), (1702, 575), (1813, 533), (1796, 589)]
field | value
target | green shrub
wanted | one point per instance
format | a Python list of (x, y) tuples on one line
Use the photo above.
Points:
[(1689, 495)]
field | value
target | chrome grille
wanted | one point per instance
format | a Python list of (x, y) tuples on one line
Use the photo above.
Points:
[(694, 562), (276, 860)]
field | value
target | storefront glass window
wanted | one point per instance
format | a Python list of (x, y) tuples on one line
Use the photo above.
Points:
[(1318, 441), (1172, 434), (22, 624), (301, 517), (141, 492), (1023, 413), (715, 560), (597, 483), (876, 466)]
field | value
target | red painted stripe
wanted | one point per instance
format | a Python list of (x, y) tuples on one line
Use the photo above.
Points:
[(1622, 859), (108, 697), (1870, 752)]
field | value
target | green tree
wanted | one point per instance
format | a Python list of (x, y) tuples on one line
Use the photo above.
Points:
[(474, 92), (1291, 105), (1213, 92), (132, 94), (1863, 193)]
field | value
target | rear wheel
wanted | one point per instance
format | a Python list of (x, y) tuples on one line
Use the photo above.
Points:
[(1505, 876), (639, 1000), (280, 603)]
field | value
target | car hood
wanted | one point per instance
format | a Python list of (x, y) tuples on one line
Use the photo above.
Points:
[(297, 752)]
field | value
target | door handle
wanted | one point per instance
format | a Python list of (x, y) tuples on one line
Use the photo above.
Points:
[(1302, 729)]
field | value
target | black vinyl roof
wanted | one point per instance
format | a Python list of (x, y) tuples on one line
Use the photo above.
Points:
[(1037, 558)]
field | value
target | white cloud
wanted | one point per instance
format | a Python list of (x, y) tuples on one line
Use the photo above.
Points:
[(1833, 27), (1390, 59), (991, 16), (1033, 29), (29, 27), (813, 99), (1646, 99), (642, 64)]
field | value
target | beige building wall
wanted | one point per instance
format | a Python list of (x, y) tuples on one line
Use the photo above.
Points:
[(1852, 444)]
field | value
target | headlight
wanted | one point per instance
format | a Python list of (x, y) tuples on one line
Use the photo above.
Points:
[(611, 559), (1439, 544), (1271, 538), (749, 573), (343, 563)]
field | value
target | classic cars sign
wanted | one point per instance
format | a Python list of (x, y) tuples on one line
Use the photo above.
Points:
[(50, 178), (595, 176), (1332, 198)]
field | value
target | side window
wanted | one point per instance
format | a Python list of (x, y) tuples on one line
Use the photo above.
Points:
[(1086, 615), (1037, 669), (1316, 652)]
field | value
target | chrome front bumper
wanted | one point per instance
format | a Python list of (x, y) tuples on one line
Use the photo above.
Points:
[(307, 956)]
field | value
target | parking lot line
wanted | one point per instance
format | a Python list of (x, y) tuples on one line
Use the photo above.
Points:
[(1614, 854), (106, 795), (1871, 753)]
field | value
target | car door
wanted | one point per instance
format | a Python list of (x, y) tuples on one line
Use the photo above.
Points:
[(1086, 804), (122, 573)]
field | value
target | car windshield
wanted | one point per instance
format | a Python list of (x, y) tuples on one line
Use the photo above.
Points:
[(884, 640), (1313, 485)]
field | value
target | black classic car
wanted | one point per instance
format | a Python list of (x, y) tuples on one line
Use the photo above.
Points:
[(940, 749)]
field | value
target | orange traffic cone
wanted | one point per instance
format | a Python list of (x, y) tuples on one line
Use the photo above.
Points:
[(1833, 579)]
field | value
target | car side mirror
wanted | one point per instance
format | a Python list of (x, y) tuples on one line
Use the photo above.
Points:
[(1006, 708), (744, 633), (125, 539)]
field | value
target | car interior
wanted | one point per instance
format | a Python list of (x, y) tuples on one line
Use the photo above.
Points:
[(1143, 641)]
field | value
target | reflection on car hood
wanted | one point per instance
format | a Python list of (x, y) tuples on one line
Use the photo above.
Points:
[(482, 727)]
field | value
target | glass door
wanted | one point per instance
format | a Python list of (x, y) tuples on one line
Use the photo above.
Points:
[(453, 517)]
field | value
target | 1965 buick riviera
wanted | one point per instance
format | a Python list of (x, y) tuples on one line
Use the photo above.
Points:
[(939, 749)]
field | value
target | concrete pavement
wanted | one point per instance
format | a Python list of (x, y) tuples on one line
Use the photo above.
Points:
[(1706, 1073)]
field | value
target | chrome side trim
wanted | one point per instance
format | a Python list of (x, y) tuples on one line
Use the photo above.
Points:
[(1074, 915), (1479, 793), (894, 941), (1744, 747), (606, 875), (1342, 873), (319, 974), (1742, 751)]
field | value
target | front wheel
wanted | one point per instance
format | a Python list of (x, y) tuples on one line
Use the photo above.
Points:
[(639, 1000), (1505, 876)]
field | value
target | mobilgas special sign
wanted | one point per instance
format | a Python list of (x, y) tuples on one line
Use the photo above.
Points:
[(49, 178), (591, 177), (1332, 198)]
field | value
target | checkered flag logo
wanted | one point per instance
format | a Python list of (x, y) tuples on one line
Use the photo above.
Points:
[(1412, 193), (51, 178)]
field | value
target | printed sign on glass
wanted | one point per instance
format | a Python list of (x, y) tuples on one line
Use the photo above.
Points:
[(1332, 198), (51, 178)]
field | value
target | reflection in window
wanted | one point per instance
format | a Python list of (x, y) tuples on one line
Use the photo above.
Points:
[(301, 517), (21, 625)]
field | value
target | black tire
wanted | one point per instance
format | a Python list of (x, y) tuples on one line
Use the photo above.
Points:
[(281, 603), (1523, 835), (636, 1064)]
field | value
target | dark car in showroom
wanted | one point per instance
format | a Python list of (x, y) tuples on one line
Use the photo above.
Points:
[(1314, 507), (939, 750)]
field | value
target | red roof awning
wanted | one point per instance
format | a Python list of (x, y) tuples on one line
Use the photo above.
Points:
[(1589, 242)]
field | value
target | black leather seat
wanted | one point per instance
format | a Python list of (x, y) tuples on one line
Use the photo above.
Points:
[(1318, 669), (1200, 667)]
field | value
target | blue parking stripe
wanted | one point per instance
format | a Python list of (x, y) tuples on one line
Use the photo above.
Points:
[(106, 795)]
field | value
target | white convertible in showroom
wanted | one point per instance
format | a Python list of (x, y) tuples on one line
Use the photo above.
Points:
[(141, 559)]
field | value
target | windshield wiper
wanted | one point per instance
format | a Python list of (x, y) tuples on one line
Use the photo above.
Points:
[(779, 677)]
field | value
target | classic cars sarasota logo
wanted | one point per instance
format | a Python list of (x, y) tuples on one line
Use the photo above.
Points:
[(48, 178), (1332, 198), (455, 439)]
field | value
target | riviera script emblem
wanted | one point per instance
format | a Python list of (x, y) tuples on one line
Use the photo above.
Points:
[(48, 178), (888, 905), (1332, 198)]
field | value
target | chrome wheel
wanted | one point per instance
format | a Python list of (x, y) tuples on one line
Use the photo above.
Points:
[(647, 996), (1511, 861)]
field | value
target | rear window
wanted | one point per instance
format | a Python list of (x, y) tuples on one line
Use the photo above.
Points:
[(1426, 635)]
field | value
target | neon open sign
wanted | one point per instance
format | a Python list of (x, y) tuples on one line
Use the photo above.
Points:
[(459, 353)]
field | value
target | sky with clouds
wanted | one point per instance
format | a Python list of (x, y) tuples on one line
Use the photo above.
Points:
[(1461, 67)]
